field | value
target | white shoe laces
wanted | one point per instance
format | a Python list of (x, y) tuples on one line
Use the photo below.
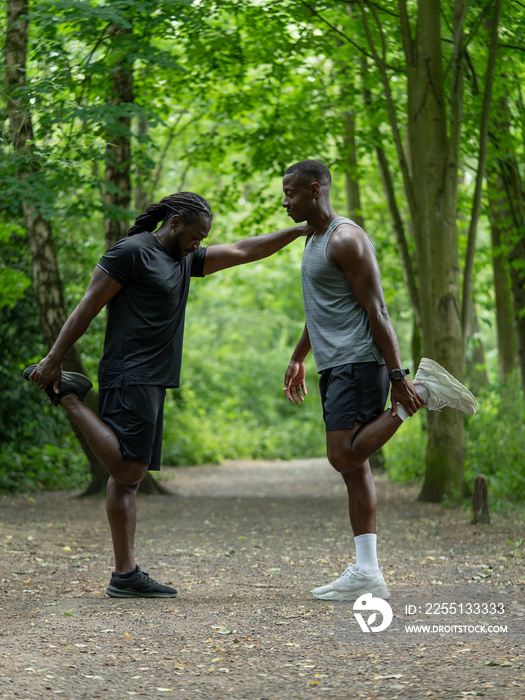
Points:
[(348, 572)]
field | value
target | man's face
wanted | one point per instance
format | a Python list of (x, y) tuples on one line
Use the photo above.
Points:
[(186, 238), (298, 197)]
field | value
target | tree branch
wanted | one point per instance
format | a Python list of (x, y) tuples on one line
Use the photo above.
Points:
[(343, 35), (392, 116)]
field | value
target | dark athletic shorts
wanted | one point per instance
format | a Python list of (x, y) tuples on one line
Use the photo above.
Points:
[(135, 414), (353, 393)]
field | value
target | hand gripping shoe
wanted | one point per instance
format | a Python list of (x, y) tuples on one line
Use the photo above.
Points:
[(443, 388), (70, 383)]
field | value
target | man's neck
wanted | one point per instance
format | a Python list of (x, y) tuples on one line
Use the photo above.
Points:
[(322, 220)]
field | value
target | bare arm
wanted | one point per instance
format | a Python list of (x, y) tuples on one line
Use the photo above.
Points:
[(350, 249), (220, 257), (295, 377), (101, 289)]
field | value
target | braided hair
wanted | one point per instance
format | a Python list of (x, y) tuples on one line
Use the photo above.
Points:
[(188, 205)]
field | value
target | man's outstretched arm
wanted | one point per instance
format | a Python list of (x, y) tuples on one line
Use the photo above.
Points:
[(101, 289), (220, 257)]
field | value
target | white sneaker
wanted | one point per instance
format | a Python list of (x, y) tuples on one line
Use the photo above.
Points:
[(351, 585), (443, 388)]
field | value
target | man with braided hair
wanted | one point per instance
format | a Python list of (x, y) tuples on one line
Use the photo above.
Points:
[(144, 281)]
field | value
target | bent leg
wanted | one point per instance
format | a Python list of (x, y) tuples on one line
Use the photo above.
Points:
[(99, 436), (349, 449)]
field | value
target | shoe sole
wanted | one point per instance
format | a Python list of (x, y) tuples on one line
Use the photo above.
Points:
[(466, 401), (114, 592), (380, 591), (70, 383)]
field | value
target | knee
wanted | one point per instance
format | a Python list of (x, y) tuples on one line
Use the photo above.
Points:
[(129, 474), (343, 461)]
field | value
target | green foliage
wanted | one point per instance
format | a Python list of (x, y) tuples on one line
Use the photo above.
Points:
[(405, 452), (37, 449), (495, 446), (241, 326), (44, 467), (496, 442)]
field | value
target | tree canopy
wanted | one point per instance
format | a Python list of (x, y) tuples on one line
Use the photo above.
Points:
[(415, 106)]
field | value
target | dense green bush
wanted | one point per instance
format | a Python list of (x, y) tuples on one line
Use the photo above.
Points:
[(44, 467)]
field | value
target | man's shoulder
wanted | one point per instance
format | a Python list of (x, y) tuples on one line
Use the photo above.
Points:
[(349, 233), (135, 242), (348, 244)]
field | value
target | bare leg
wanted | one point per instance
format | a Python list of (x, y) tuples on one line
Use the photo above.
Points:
[(121, 510), (123, 483), (362, 499), (100, 437), (348, 453)]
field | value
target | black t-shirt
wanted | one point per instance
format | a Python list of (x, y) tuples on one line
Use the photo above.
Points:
[(145, 324)]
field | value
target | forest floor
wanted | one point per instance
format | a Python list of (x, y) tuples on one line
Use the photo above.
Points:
[(244, 543)]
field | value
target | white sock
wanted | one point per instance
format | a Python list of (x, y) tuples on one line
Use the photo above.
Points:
[(422, 391), (366, 554), (401, 412)]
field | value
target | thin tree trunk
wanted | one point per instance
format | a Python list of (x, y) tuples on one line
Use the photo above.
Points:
[(476, 368), (506, 333), (515, 245), (353, 194), (512, 225), (142, 173), (118, 146), (480, 175)]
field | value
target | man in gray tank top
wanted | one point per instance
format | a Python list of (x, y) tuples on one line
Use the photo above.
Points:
[(357, 356)]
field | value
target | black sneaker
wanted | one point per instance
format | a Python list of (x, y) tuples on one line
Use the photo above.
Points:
[(140, 585), (70, 383)]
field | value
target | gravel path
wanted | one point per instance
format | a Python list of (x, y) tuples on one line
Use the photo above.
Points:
[(244, 543)]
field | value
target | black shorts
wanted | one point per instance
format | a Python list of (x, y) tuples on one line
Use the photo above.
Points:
[(135, 414), (353, 393)]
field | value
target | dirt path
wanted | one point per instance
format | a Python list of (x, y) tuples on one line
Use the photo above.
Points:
[(244, 543)]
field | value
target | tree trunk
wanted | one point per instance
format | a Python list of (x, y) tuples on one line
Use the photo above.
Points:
[(430, 182), (353, 195), (46, 281), (513, 224), (353, 198), (516, 251), (434, 166), (506, 333), (143, 173), (118, 147), (476, 369)]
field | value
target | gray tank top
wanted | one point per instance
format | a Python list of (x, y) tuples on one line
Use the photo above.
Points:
[(338, 327)]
